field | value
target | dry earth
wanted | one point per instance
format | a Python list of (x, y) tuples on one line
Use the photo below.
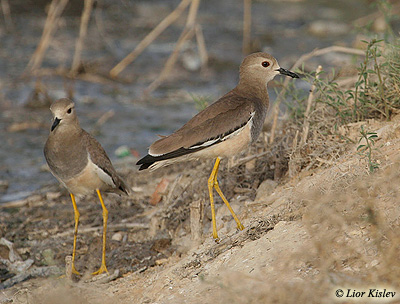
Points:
[(336, 226)]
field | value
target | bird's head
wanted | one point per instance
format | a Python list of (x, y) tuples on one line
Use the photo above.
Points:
[(261, 68), (63, 111)]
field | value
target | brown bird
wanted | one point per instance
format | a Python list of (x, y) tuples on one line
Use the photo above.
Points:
[(224, 128), (80, 164)]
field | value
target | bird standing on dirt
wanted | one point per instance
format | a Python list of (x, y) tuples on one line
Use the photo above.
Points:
[(224, 128), (80, 164)]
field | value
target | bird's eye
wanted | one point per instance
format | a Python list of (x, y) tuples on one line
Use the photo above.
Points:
[(265, 64), (69, 111)]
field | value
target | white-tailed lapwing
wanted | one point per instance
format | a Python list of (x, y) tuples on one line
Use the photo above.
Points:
[(224, 128), (81, 165)]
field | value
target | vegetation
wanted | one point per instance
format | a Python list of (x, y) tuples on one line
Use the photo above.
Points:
[(200, 102), (366, 148), (372, 92)]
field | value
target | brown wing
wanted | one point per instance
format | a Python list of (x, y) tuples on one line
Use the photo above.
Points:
[(100, 158), (221, 118)]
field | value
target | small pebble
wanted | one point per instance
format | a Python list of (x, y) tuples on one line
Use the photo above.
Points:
[(117, 237), (52, 195), (161, 261)]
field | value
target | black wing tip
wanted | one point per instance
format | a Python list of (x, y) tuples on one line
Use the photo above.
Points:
[(124, 188), (149, 160), (145, 166), (146, 162)]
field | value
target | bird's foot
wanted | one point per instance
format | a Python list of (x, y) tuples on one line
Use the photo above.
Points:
[(101, 270), (74, 271), (216, 238)]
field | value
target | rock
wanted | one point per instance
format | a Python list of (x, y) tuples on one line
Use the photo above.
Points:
[(117, 237), (50, 196), (48, 257), (13, 255), (250, 165), (266, 188), (380, 24), (373, 264), (161, 261)]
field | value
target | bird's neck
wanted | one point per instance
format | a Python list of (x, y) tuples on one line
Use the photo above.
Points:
[(253, 89), (67, 132)]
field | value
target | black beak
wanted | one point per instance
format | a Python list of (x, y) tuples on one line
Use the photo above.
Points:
[(287, 73), (55, 123)]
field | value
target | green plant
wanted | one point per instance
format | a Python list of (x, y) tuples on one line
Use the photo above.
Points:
[(295, 102), (376, 93), (337, 102), (366, 149), (201, 102)]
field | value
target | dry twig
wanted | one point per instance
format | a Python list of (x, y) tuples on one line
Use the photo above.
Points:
[(246, 26), (245, 160), (171, 191), (306, 124), (298, 63), (293, 165), (68, 268), (189, 30), (5, 7), (196, 221), (102, 120), (33, 272), (150, 38), (201, 45), (53, 17), (82, 34), (99, 228), (363, 21), (89, 77), (187, 34)]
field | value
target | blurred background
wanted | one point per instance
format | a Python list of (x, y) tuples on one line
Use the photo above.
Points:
[(126, 109)]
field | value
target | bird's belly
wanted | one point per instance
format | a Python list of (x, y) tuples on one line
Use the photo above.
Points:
[(229, 147), (85, 183)]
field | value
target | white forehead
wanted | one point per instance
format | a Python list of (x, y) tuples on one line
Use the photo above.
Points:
[(60, 106)]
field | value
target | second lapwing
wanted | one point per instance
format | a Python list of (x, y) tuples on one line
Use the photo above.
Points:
[(224, 128), (81, 165)]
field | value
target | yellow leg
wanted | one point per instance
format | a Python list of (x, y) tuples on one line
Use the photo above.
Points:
[(218, 189), (213, 183), (103, 267), (210, 191), (76, 216)]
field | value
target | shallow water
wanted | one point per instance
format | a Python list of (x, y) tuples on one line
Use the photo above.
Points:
[(279, 27)]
